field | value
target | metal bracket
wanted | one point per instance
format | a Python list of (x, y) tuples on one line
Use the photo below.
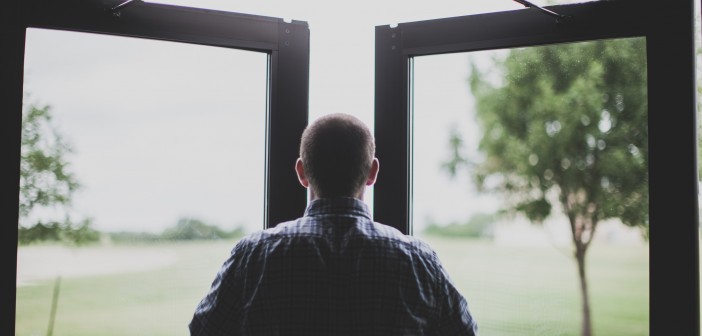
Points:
[(116, 11), (559, 17)]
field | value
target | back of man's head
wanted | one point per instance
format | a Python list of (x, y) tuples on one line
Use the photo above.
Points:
[(337, 152)]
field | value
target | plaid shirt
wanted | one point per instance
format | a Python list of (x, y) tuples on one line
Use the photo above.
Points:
[(332, 272)]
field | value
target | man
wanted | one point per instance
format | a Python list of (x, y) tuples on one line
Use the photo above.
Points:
[(333, 271)]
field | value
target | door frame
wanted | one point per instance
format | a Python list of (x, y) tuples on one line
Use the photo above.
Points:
[(673, 175), (285, 43)]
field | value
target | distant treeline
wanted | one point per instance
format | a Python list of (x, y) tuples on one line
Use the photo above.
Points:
[(54, 231), (478, 226), (185, 229), (190, 229)]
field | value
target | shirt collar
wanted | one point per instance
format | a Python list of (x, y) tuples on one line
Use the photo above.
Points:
[(338, 206)]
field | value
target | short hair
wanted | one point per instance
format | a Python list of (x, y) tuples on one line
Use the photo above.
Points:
[(337, 151)]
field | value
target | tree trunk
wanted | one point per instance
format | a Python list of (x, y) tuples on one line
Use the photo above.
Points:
[(587, 323)]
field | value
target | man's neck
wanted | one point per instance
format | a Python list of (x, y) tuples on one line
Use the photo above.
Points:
[(313, 195)]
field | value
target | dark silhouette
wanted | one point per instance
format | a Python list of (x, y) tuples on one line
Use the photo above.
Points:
[(333, 271)]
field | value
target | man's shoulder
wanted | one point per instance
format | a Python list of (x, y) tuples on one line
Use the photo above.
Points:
[(296, 227), (365, 230), (408, 243)]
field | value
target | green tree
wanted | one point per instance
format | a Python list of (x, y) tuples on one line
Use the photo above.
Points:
[(46, 182), (566, 130)]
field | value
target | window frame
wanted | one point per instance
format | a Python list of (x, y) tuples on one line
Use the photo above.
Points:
[(671, 88), (287, 107)]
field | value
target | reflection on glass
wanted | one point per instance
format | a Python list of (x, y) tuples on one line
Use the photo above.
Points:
[(540, 159), (142, 165)]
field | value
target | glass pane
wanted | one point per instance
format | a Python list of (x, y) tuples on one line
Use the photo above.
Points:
[(167, 145), (523, 145)]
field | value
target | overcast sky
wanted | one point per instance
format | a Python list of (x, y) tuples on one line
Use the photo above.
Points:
[(165, 130)]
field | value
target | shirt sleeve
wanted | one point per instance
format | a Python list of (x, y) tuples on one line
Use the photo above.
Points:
[(218, 312), (454, 315)]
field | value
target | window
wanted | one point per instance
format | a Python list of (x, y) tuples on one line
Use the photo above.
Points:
[(400, 49), (280, 55), (177, 155), (666, 30), (543, 121)]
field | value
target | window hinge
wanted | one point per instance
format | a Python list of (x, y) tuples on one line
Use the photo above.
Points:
[(116, 11), (559, 17)]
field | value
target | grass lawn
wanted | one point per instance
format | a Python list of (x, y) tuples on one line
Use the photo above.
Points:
[(156, 302), (535, 290), (510, 290)]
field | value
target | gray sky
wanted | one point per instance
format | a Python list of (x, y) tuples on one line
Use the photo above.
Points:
[(164, 130)]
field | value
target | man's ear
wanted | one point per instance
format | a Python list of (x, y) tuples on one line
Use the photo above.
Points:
[(373, 174), (300, 170)]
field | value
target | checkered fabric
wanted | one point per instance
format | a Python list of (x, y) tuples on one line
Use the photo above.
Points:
[(332, 272)]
